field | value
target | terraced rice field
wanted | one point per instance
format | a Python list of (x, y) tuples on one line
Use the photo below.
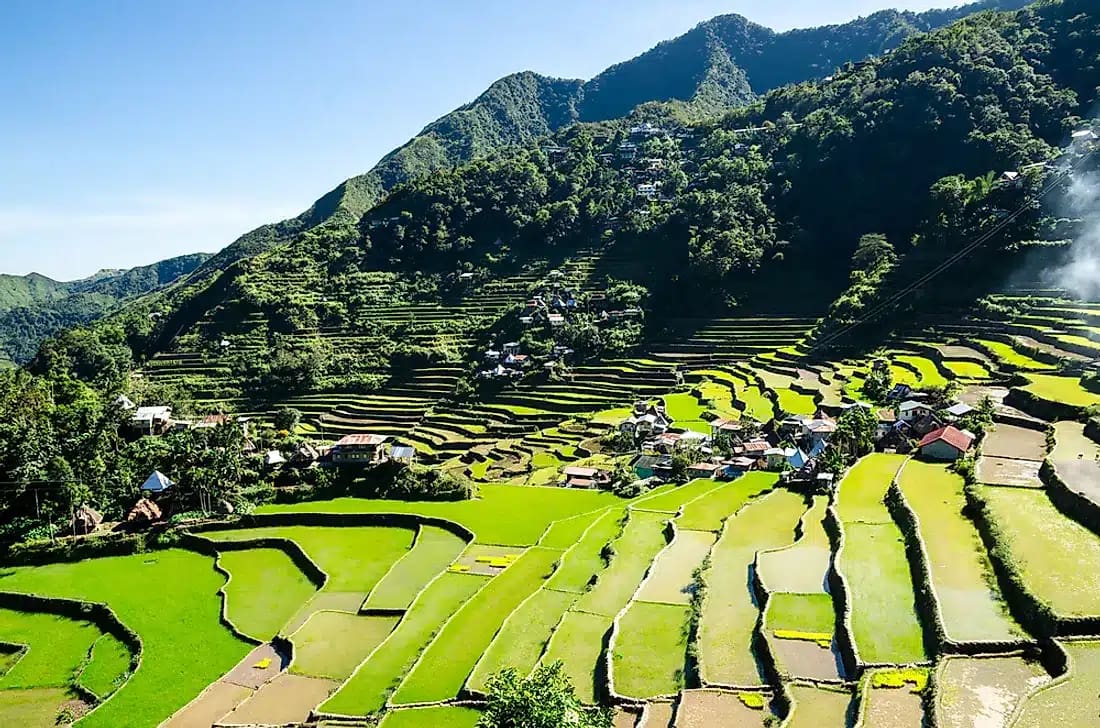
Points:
[(729, 614), (875, 567), (1032, 529), (984, 692), (421, 614), (265, 590), (174, 606), (819, 706), (1076, 459), (1073, 700), (962, 575)]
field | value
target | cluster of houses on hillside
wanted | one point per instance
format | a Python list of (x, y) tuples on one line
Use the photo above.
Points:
[(793, 446)]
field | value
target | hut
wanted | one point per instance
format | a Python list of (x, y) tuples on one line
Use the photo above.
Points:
[(143, 513), (157, 482), (86, 520)]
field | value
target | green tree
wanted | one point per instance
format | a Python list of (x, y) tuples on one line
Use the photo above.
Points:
[(544, 700), (855, 432)]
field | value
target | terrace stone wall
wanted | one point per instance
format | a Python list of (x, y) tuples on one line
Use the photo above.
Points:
[(1074, 505), (838, 587)]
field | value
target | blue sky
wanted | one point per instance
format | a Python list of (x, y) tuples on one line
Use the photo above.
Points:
[(134, 130)]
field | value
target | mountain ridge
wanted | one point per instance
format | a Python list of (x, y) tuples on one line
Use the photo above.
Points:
[(476, 127)]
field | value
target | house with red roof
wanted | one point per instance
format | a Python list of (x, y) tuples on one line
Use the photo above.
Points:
[(947, 443)]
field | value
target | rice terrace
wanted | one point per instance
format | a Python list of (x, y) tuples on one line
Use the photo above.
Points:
[(751, 383)]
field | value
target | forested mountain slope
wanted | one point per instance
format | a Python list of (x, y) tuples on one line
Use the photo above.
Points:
[(721, 63), (34, 307), (764, 208)]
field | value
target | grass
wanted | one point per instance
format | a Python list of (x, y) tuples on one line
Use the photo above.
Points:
[(1067, 390), (967, 369), (366, 691), (865, 485), (642, 539), (265, 589), (443, 716), (929, 375), (686, 412), (962, 575), (650, 650), (56, 646), (565, 533), (108, 668), (1033, 530), (578, 643), (818, 706), (332, 644), (492, 516), (32, 708), (523, 637), (170, 599), (801, 612), (729, 613), (580, 564), (884, 619), (355, 559), (1075, 702), (1007, 355), (671, 501), (448, 661), (710, 511), (434, 549)]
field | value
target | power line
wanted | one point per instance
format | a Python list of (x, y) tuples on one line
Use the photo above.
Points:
[(952, 260)]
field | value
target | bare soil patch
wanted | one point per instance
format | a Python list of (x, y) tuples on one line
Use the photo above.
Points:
[(624, 719), (657, 715), (1005, 471), (261, 665), (806, 659), (714, 709), (214, 703), (894, 708), (333, 644), (1009, 441), (955, 351), (286, 699), (983, 692), (1077, 459)]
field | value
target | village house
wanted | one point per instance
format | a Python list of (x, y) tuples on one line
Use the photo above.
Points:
[(753, 448), (577, 477), (910, 411), (887, 420), (736, 467), (946, 444), (722, 427), (775, 458), (704, 470), (273, 459), (646, 420), (652, 466), (402, 454), (899, 392), (150, 421), (961, 409), (360, 449)]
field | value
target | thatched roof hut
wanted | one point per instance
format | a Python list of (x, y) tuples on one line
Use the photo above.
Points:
[(86, 520), (144, 511)]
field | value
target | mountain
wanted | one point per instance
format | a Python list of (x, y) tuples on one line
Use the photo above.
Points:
[(838, 190), (721, 63), (34, 307)]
